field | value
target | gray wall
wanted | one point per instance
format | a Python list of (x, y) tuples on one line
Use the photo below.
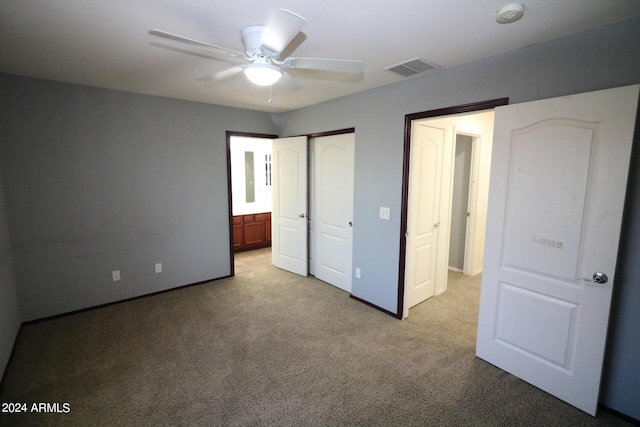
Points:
[(9, 307), (599, 59), (621, 380), (98, 180), (604, 58)]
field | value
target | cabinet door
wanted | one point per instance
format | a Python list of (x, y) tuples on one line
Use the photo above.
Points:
[(238, 236), (253, 233)]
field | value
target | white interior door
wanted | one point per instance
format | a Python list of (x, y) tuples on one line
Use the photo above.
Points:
[(312, 206), (558, 182), (289, 216), (423, 224), (334, 163)]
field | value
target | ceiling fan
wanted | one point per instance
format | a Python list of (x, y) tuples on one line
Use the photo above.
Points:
[(263, 45)]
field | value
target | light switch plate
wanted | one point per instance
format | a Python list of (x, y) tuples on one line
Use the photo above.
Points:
[(384, 213)]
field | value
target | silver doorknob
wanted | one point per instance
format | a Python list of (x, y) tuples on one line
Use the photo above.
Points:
[(436, 225), (301, 215), (598, 277)]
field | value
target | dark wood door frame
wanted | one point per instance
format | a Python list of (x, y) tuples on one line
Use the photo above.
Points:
[(404, 208), (232, 270)]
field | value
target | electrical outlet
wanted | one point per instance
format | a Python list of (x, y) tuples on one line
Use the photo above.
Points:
[(115, 275), (159, 267)]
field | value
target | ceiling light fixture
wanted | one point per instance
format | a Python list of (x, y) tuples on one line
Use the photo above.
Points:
[(510, 13), (262, 73)]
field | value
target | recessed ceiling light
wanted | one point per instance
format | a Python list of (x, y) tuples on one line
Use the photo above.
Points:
[(510, 13)]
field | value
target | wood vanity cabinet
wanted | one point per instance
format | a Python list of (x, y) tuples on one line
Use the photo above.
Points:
[(251, 231)]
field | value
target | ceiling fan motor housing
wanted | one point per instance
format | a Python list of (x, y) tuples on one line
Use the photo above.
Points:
[(252, 41)]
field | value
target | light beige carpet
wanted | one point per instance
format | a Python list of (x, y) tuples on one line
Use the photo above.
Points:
[(271, 348)]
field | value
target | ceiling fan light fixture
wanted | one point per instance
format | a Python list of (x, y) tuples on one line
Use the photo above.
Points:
[(262, 74)]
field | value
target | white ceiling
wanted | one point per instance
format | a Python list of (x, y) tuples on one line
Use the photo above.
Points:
[(105, 43)]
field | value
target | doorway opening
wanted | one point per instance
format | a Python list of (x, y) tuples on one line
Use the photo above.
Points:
[(327, 200), (418, 278), (249, 190)]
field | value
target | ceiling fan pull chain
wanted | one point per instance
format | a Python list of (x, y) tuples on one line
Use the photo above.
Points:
[(270, 100)]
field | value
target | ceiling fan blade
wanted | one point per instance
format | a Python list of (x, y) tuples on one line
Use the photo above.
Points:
[(222, 75), (175, 37), (342, 65), (282, 28)]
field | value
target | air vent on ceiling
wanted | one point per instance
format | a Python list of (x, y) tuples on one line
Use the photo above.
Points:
[(412, 67)]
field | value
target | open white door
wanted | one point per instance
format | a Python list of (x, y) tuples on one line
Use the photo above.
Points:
[(558, 182), (289, 211), (423, 222), (334, 163)]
